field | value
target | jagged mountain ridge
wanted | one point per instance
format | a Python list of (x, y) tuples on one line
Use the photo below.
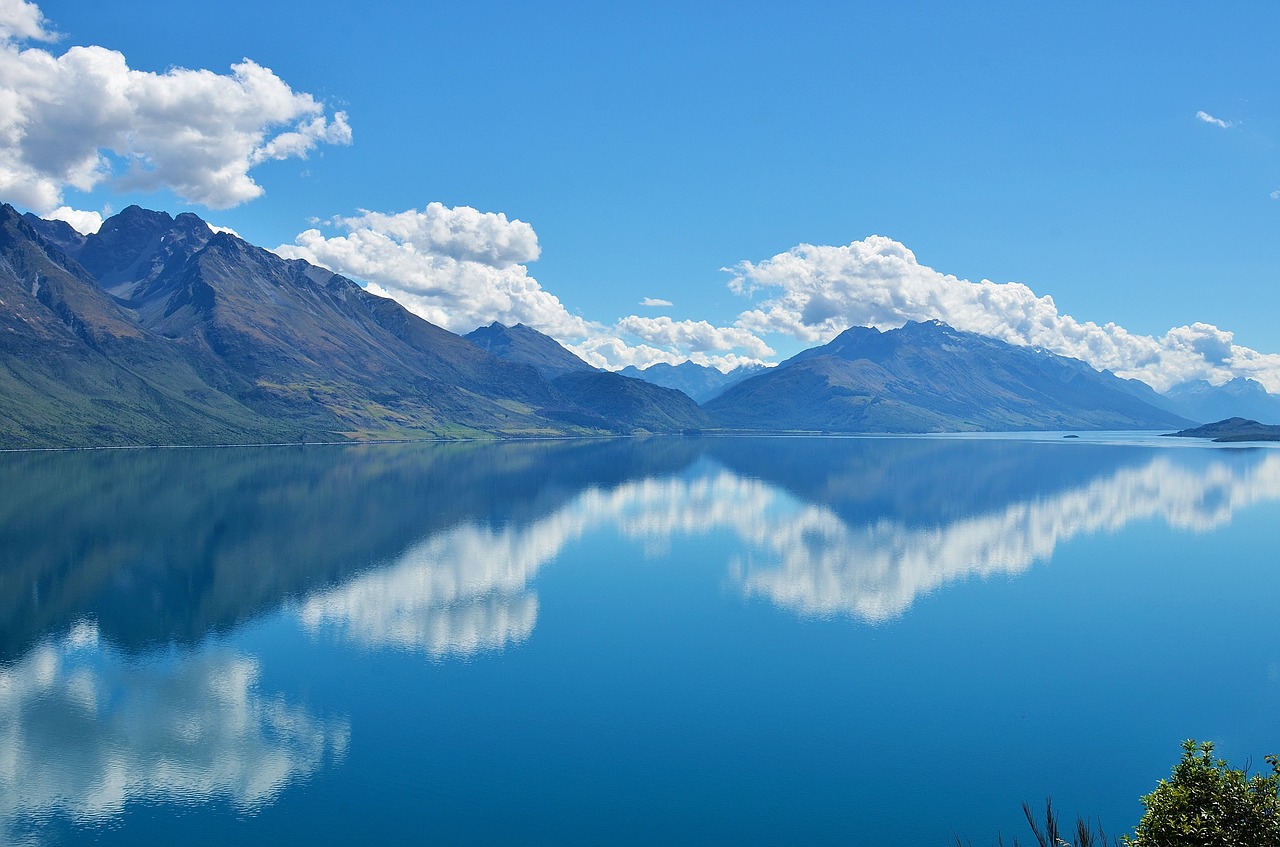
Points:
[(700, 382), (929, 377), (76, 369), (1240, 397)]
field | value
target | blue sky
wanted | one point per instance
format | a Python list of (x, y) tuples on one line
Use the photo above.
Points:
[(649, 146)]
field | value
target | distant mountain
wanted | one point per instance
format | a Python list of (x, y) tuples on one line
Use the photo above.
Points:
[(1240, 397), (524, 344), (929, 377), (700, 382), (622, 404), (1232, 429), (594, 398)]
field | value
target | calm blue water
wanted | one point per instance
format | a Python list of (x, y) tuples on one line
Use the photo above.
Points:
[(865, 641)]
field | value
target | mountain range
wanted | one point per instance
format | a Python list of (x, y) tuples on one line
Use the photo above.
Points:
[(158, 330), (161, 330), (700, 382), (1239, 397)]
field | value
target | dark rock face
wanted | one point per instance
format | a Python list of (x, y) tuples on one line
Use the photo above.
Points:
[(929, 377)]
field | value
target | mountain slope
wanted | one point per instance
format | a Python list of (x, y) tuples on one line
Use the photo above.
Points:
[(928, 377), (76, 369), (158, 330), (526, 345), (620, 404), (312, 346)]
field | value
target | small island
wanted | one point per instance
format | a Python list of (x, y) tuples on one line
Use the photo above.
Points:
[(1232, 429)]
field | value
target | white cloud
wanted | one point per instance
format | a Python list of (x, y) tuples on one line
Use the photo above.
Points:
[(461, 268), (1210, 119), (458, 268), (609, 351), (813, 293), (655, 301), (85, 223), (695, 336), (461, 233), (73, 120), (22, 20)]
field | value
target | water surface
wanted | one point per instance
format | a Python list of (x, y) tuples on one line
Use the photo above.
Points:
[(871, 641)]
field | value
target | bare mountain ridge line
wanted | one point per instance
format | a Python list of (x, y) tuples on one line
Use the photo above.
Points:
[(233, 344), (159, 330)]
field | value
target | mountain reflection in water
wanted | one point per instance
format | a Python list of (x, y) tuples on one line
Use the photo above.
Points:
[(125, 575)]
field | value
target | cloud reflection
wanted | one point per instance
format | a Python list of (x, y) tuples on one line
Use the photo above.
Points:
[(468, 589), (84, 731), (456, 593), (813, 562), (802, 556)]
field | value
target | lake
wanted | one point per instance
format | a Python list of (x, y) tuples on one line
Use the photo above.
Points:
[(864, 641)]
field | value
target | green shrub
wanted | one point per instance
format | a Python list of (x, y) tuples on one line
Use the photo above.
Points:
[(1207, 804)]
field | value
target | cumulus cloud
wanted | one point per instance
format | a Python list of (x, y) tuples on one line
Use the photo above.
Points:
[(456, 267), (611, 352), (655, 301), (698, 336), (84, 117), (461, 233), (85, 223), (1210, 119), (813, 293), (20, 20), (461, 268)]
